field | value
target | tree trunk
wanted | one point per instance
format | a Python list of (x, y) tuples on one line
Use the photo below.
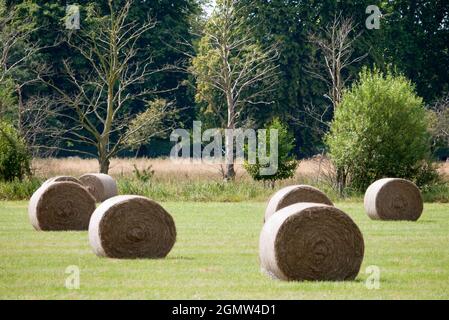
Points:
[(229, 140), (230, 172), (103, 158), (20, 105), (104, 165), (341, 181), (229, 158)]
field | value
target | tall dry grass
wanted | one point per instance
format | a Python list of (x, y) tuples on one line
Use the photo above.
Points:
[(312, 169), (183, 181), (164, 168)]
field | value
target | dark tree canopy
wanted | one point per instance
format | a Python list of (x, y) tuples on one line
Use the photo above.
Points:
[(413, 38), (174, 19)]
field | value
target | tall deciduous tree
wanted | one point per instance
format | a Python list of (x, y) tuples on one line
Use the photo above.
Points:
[(336, 46), (234, 66), (290, 22), (97, 101), (174, 20)]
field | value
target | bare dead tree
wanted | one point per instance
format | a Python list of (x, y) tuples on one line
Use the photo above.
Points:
[(41, 135), (335, 43), (315, 118), (439, 124), (234, 66), (335, 46), (95, 106)]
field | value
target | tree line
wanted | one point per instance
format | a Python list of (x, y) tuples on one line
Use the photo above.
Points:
[(137, 69)]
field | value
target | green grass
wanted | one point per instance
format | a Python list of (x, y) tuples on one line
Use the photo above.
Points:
[(216, 257)]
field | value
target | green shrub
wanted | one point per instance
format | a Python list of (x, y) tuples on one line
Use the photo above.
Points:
[(14, 158), (380, 130), (18, 190), (144, 175), (204, 191), (8, 100), (438, 192), (287, 163)]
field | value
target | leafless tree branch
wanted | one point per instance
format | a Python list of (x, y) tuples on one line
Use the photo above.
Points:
[(336, 45), (97, 103)]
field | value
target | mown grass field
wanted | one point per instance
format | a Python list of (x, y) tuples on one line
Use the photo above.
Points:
[(216, 257)]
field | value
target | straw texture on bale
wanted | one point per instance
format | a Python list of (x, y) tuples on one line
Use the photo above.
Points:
[(311, 242), (63, 179), (101, 186), (295, 194), (131, 227), (61, 206), (393, 199)]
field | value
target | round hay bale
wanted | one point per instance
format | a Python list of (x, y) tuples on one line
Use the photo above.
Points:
[(131, 227), (295, 194), (61, 206), (393, 199), (63, 179), (311, 242), (101, 186)]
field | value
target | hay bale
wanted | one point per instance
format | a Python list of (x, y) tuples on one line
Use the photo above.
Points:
[(101, 186), (311, 242), (61, 206), (295, 194), (130, 227), (63, 179), (393, 199)]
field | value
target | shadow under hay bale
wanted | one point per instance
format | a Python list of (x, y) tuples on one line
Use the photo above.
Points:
[(101, 186), (61, 206), (311, 242), (131, 227), (292, 195), (393, 199)]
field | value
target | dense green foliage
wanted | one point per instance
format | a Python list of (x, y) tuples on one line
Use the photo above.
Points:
[(174, 23), (380, 130), (287, 163), (19, 190), (413, 35), (8, 101), (14, 158)]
